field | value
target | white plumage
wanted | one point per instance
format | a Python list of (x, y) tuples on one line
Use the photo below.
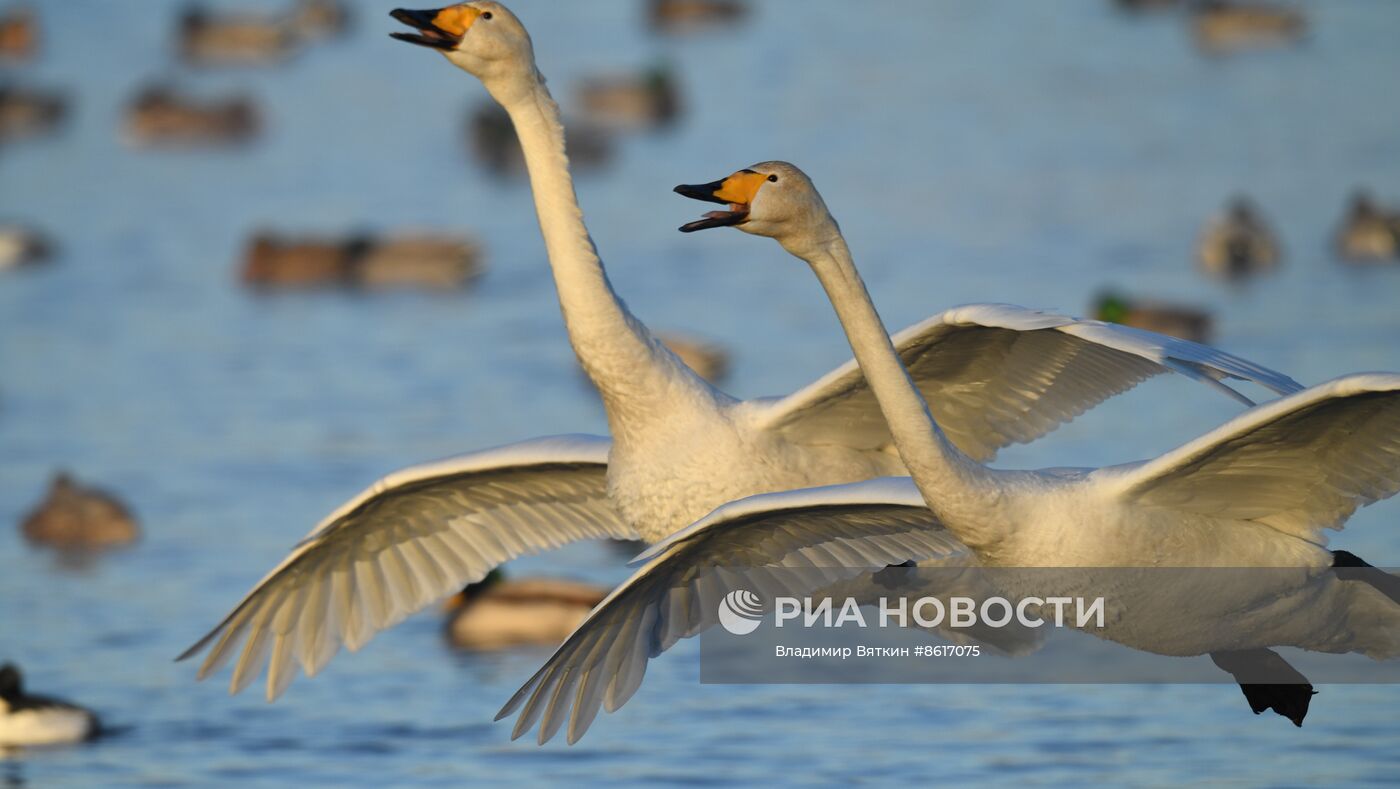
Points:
[(27, 720), (1256, 492), (998, 374)]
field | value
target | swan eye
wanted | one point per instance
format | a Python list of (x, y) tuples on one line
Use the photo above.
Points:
[(773, 178), (486, 15)]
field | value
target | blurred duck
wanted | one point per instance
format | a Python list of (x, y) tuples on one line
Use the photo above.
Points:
[(1369, 233), (1223, 26), (423, 261), (495, 613), (428, 262), (206, 38), (27, 720), (497, 148), (319, 19), (28, 113), (75, 517), (159, 116), (273, 262), (19, 34), (1146, 5), (1188, 323), (647, 100), (21, 246), (1238, 243), (680, 16)]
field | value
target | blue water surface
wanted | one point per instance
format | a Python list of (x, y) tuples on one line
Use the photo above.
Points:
[(973, 151)]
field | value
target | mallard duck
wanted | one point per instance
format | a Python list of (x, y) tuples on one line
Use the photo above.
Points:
[(495, 613), (1368, 233), (76, 517), (1188, 323), (1238, 243), (159, 116), (27, 720), (1222, 26)]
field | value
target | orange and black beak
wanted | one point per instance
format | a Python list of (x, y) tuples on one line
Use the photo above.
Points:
[(441, 28), (737, 191)]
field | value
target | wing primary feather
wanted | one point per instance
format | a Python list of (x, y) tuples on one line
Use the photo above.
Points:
[(557, 709)]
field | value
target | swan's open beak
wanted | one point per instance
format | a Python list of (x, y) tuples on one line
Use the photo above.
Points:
[(737, 191), (441, 28)]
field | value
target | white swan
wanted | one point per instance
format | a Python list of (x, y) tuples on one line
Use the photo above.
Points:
[(1256, 492), (679, 446)]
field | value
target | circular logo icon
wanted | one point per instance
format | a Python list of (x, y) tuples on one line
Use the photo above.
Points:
[(741, 612)]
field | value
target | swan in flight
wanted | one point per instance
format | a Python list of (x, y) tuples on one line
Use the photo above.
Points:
[(679, 446), (1255, 492)]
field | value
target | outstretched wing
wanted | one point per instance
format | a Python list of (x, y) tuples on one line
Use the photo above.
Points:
[(774, 542), (415, 536), (1300, 464), (996, 374)]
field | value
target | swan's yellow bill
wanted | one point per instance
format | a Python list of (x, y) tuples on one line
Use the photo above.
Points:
[(440, 28), (737, 191)]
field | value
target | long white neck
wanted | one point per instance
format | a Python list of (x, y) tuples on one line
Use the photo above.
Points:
[(639, 379), (958, 489)]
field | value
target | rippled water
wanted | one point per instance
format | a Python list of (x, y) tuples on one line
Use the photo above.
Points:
[(973, 151)]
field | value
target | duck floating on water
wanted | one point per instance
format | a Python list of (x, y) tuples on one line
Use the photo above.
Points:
[(496, 613), (206, 38), (161, 116), (27, 720), (1238, 243), (647, 100), (210, 38), (428, 262), (420, 261), (684, 16), (19, 34), (1369, 232), (1145, 5), (319, 19), (1188, 323), (1222, 27), (29, 113), (78, 518), (22, 246)]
